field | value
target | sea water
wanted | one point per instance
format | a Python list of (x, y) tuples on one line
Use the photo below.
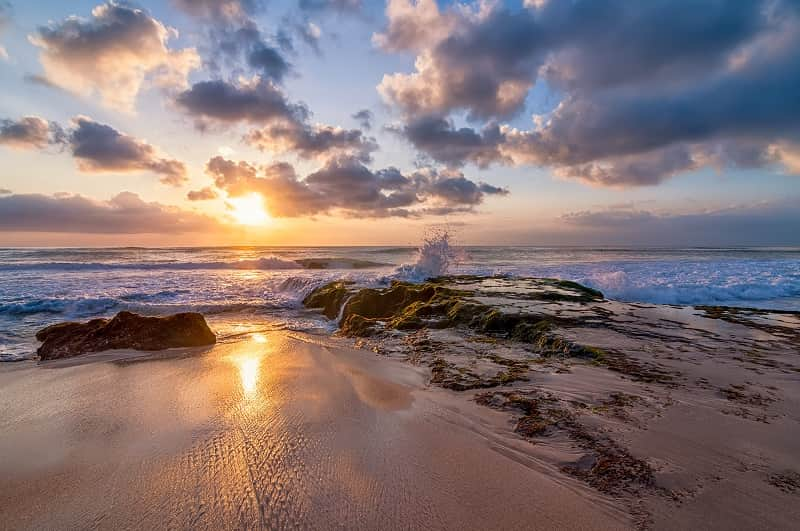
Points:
[(238, 286)]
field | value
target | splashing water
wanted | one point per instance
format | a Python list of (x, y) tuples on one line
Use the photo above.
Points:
[(434, 258)]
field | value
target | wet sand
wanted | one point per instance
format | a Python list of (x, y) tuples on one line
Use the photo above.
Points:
[(275, 431)]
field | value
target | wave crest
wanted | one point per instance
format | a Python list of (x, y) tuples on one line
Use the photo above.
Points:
[(434, 258)]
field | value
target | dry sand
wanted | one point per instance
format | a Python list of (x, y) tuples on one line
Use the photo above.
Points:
[(276, 431)]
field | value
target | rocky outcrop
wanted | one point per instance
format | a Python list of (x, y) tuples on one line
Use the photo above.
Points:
[(125, 331), (484, 304)]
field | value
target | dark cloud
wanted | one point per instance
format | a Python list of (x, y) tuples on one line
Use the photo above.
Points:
[(204, 194), (346, 186), (648, 90), (125, 213), (242, 48), (101, 148), (268, 60), (767, 223), (97, 147), (486, 60), (483, 63), (29, 132), (285, 125), (235, 43), (256, 102), (364, 118), (457, 190), (114, 53), (437, 137), (318, 141)]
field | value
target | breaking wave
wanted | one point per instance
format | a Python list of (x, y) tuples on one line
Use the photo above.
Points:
[(435, 257), (735, 288)]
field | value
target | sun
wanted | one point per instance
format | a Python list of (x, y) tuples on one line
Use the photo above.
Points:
[(249, 209)]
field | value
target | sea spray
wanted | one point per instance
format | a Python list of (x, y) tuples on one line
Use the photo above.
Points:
[(435, 257)]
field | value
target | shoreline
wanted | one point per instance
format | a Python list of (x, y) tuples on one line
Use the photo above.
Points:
[(274, 432)]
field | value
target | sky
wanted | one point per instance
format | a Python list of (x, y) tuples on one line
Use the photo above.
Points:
[(349, 122)]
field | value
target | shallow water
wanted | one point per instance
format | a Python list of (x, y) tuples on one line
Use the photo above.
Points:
[(236, 285)]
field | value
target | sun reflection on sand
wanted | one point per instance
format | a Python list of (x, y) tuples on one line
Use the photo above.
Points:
[(248, 372), (248, 362)]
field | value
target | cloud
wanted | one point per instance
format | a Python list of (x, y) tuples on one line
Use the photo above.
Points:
[(437, 137), (346, 186), (482, 59), (285, 125), (115, 53), (234, 40), (309, 142), (364, 118), (29, 132), (101, 148), (309, 33), (125, 213), (647, 90), (219, 9), (97, 147), (204, 194), (258, 101), (763, 223)]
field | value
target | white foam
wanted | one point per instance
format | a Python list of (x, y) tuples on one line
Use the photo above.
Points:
[(434, 258)]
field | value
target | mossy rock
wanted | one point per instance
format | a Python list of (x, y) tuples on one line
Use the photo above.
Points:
[(358, 326), (329, 297)]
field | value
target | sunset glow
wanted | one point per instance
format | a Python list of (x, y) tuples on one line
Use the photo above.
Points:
[(399, 264), (249, 210), (230, 122)]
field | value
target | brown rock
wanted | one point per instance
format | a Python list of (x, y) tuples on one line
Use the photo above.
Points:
[(125, 330)]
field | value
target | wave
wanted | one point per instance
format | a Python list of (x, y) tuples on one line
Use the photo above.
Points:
[(434, 258), (269, 263), (76, 307), (623, 286), (339, 263), (89, 307)]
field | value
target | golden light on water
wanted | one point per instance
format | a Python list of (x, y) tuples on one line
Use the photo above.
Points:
[(249, 368), (248, 363), (249, 209)]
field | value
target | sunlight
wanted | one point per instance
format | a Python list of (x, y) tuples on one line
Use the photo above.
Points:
[(249, 209), (249, 367), (248, 363)]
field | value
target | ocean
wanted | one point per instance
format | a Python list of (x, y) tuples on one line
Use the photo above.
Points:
[(243, 288)]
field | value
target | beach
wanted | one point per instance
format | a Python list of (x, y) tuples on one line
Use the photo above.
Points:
[(345, 394), (275, 431)]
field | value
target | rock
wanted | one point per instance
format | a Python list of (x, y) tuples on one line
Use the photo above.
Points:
[(329, 297), (126, 330), (461, 301)]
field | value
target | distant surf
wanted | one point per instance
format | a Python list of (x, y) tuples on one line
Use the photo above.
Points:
[(267, 263)]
